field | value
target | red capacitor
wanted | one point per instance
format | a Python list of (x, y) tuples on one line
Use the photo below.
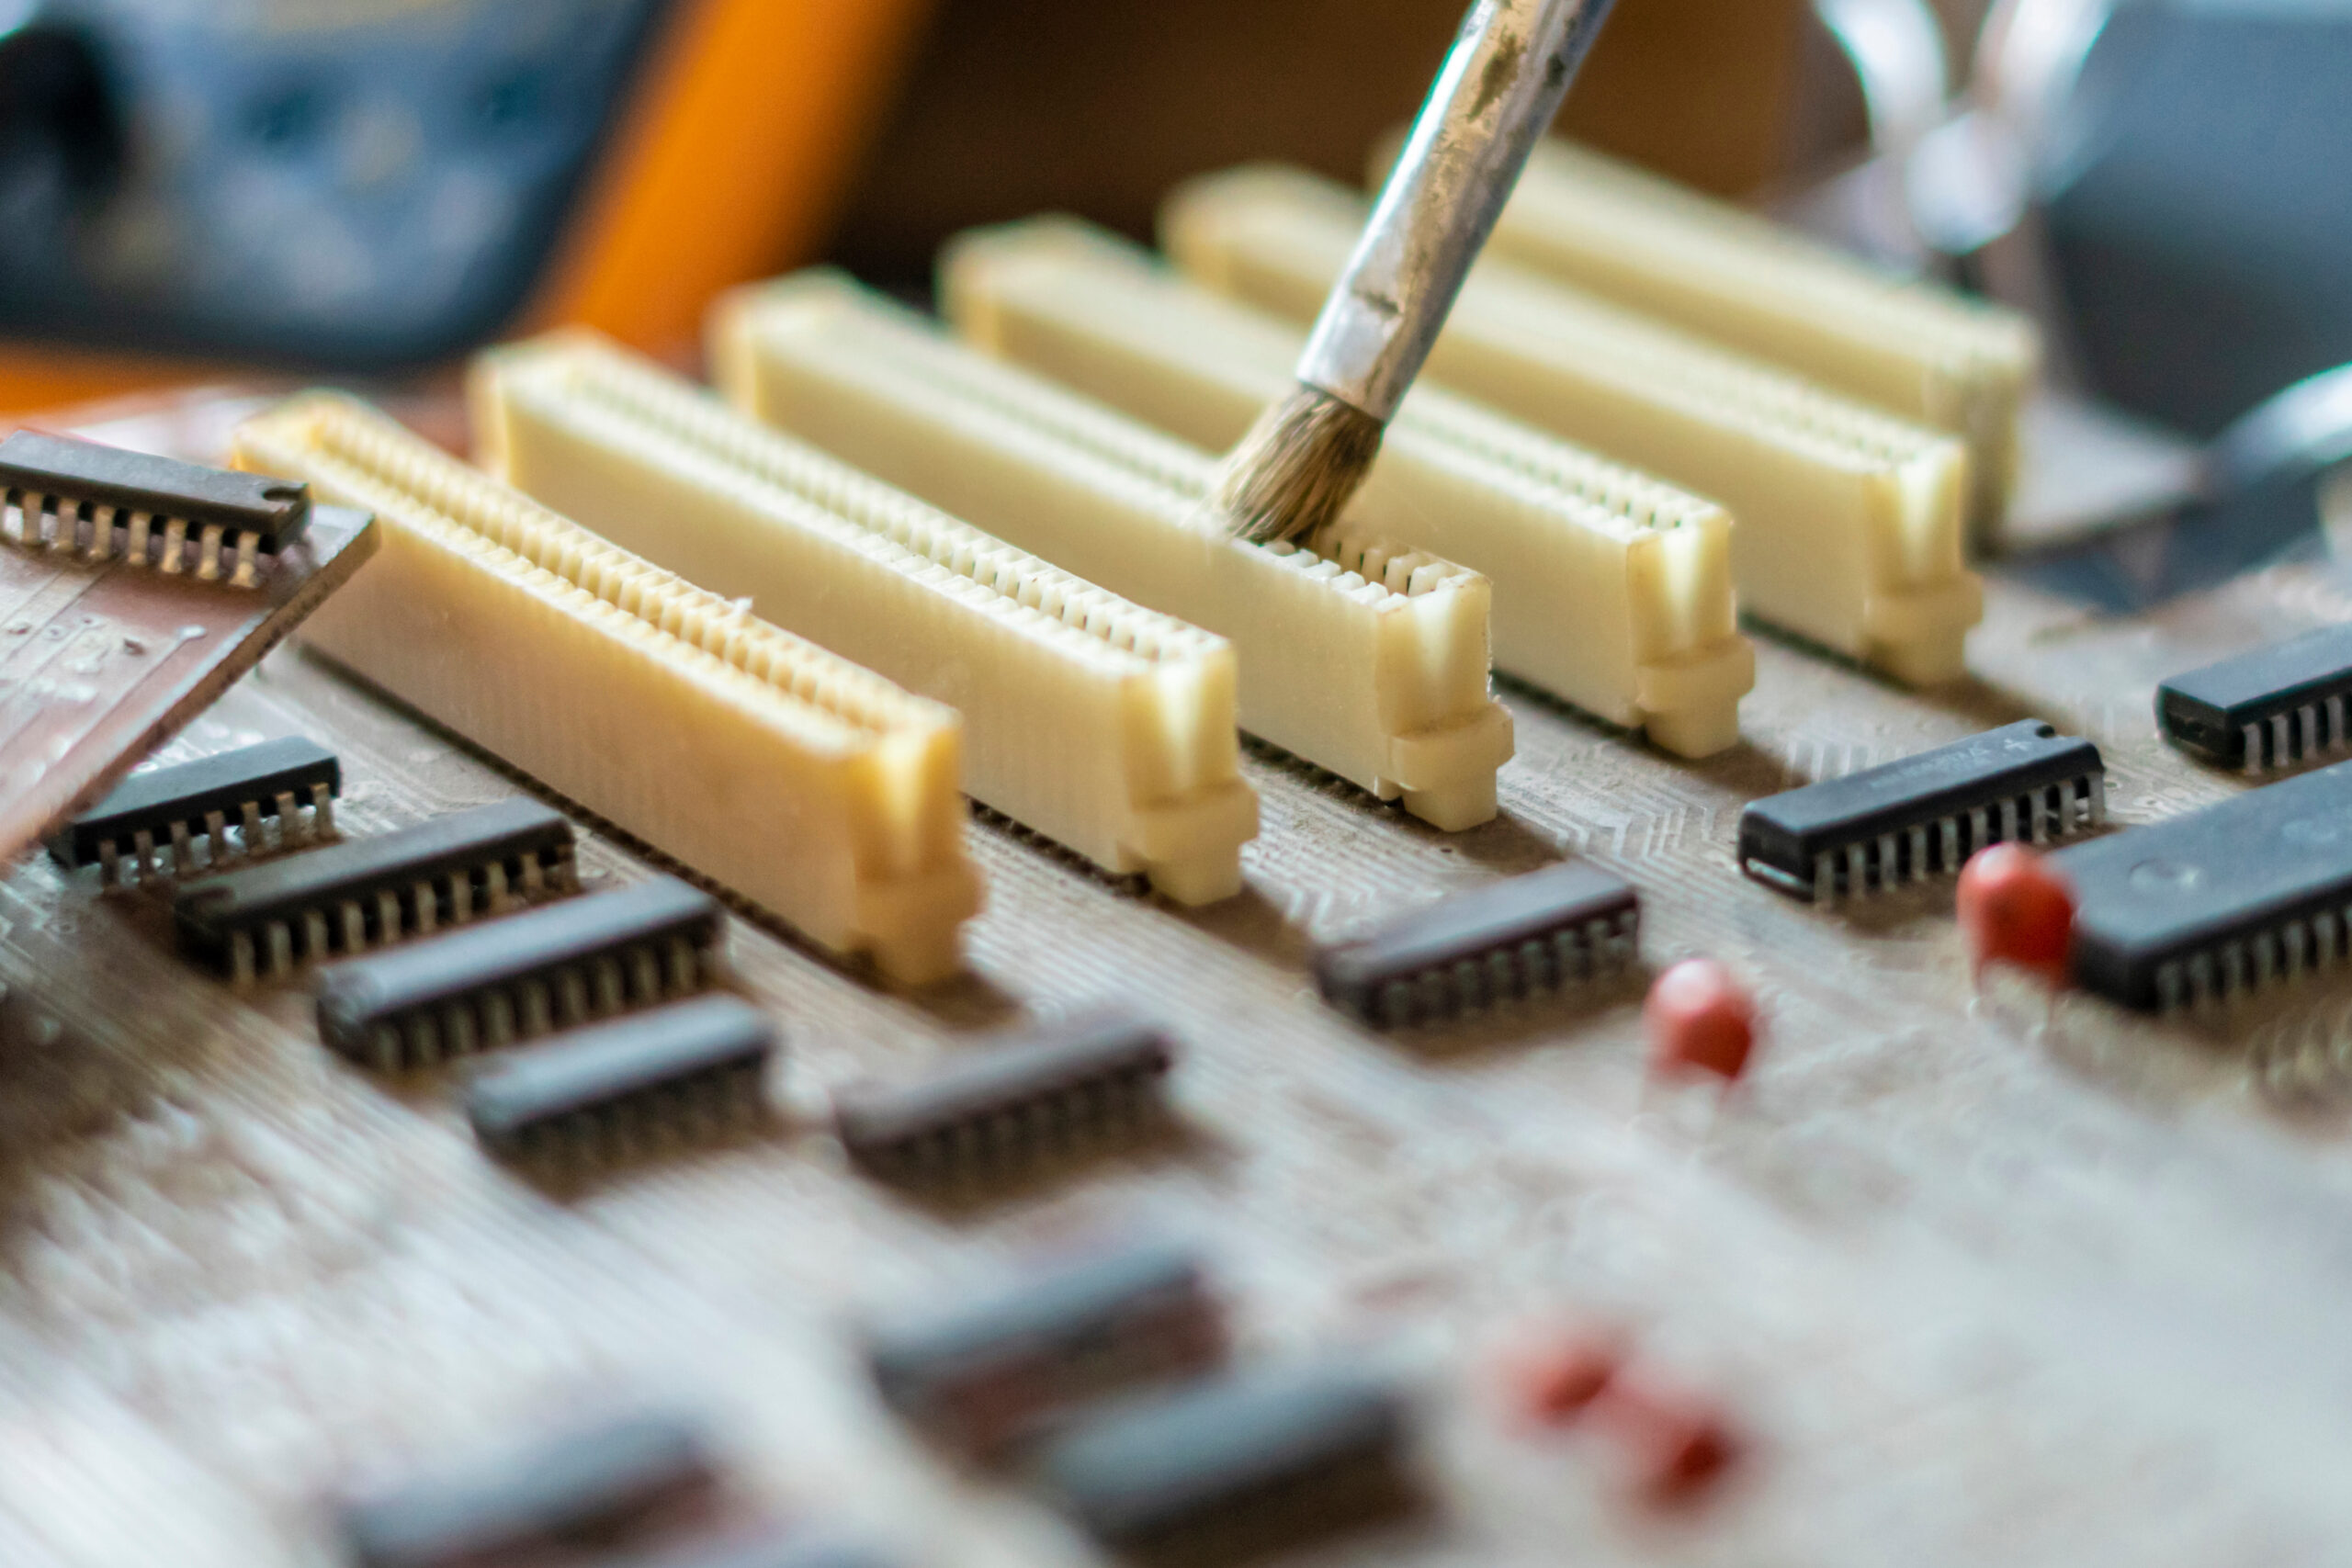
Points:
[(2015, 907), (1700, 1021), (1551, 1382), (1675, 1445)]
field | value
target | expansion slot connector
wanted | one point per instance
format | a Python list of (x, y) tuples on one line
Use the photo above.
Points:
[(1914, 349), (814, 788), (1102, 725), (1612, 590), (1359, 655), (1847, 521)]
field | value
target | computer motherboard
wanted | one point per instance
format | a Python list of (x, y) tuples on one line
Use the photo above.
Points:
[(1967, 1270)]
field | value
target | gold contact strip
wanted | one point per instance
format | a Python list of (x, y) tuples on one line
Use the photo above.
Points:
[(812, 788), (1847, 521), (1913, 348), (1360, 655), (1611, 590), (1103, 726)]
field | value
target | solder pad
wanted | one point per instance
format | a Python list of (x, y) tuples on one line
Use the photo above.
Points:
[(1987, 1279)]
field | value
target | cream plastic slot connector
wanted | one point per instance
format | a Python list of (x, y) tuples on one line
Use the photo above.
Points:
[(814, 788), (1847, 521), (1919, 351), (1359, 656), (1099, 724), (1611, 590)]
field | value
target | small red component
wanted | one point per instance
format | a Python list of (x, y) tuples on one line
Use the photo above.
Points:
[(1700, 1021), (1551, 1384), (1676, 1445), (2014, 907)]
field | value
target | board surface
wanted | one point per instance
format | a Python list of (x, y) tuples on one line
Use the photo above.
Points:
[(1983, 1277)]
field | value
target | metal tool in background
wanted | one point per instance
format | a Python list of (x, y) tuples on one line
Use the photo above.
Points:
[(2153, 180)]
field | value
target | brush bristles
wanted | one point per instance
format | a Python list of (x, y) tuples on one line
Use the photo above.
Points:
[(1297, 467)]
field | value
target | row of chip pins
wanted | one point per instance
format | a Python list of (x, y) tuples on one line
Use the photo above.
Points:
[(2302, 732), (218, 846)]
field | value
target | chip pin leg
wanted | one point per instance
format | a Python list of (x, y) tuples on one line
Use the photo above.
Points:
[(1919, 855), (109, 864), (241, 958), (2254, 749), (461, 897), (321, 811), (355, 925), (102, 520), (427, 904), (216, 836), (174, 545), (1857, 871), (2307, 718), (29, 530), (2233, 978), (2168, 987), (281, 946), (283, 803), (248, 563), (249, 826), (143, 844), (208, 560), (134, 550), (494, 892), (535, 880), (2281, 742), (2296, 939), (2336, 722), (389, 923), (63, 527), (1887, 876), (183, 849), (1825, 878), (314, 934)]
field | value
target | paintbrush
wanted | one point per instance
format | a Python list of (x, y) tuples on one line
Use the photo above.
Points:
[(1499, 88)]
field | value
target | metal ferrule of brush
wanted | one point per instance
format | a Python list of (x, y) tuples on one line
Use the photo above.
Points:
[(1497, 93)]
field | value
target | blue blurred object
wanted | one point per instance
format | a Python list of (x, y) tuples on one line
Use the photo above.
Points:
[(2198, 204), (366, 184)]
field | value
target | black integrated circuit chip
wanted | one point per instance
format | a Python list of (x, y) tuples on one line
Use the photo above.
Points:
[(1236, 1463), (1552, 928), (1044, 1092), (987, 1374), (106, 503), (2249, 891), (362, 893), (196, 802), (577, 1489), (2023, 783), (2264, 709), (551, 968), (687, 1071)]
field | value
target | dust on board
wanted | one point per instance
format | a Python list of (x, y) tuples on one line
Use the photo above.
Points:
[(1982, 1277)]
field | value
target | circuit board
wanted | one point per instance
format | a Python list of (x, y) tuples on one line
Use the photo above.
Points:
[(1979, 1276)]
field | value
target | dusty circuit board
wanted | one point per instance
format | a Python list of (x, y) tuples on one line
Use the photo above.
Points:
[(1980, 1277)]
